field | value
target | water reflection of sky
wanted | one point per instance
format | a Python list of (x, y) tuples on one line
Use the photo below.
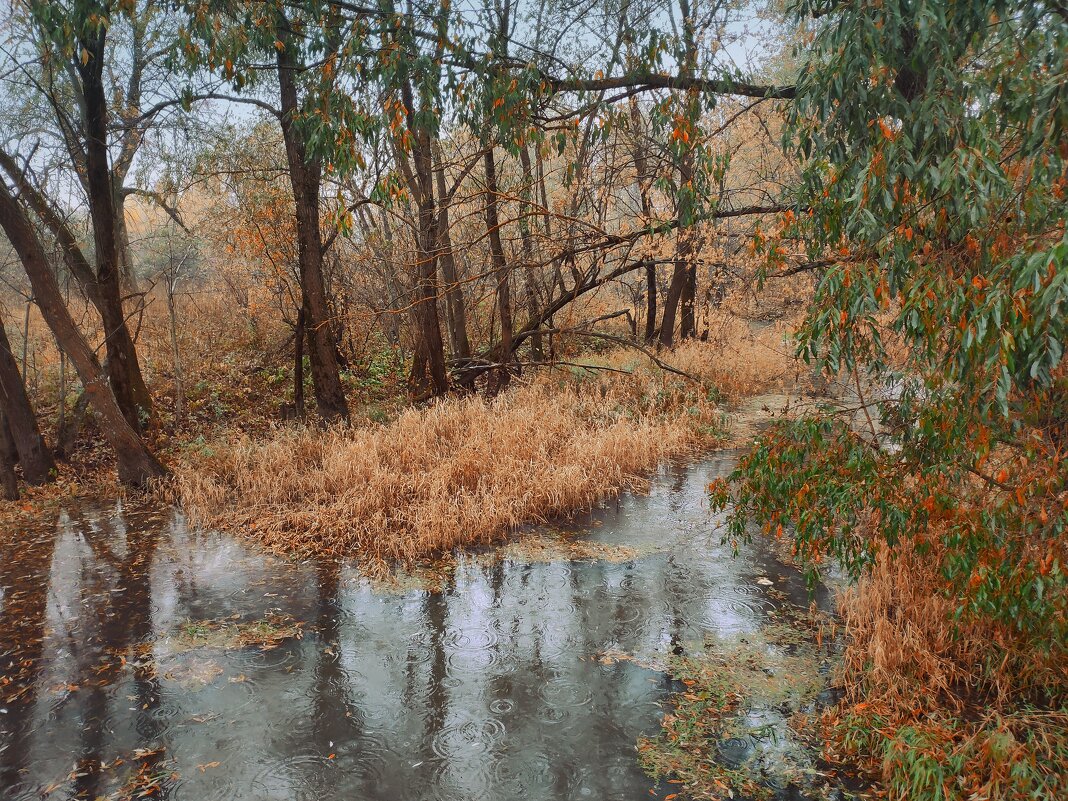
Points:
[(489, 689)]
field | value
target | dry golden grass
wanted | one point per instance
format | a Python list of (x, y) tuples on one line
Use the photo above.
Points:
[(461, 472), (739, 358), (903, 634), (900, 635), (938, 708), (743, 358)]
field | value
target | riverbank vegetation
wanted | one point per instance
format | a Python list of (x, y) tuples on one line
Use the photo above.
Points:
[(373, 281), (465, 471), (942, 490)]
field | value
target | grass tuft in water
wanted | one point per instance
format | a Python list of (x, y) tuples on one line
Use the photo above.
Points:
[(234, 634), (739, 727)]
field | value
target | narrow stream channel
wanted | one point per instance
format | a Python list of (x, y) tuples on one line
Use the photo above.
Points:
[(495, 687)]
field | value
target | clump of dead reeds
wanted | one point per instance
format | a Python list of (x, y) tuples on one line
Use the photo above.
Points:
[(944, 706), (461, 472), (743, 358)]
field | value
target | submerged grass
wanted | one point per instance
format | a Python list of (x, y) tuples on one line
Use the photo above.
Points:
[(729, 733), (461, 472), (233, 634)]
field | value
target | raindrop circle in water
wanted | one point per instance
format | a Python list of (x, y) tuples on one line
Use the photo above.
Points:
[(465, 738)]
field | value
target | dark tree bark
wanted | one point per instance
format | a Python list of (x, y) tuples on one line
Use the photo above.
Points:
[(305, 174), (37, 463), (671, 304), (641, 168), (688, 324), (683, 288), (73, 255), (9, 485), (298, 364), (7, 444), (67, 434), (650, 302), (429, 375), (124, 372), (137, 466)]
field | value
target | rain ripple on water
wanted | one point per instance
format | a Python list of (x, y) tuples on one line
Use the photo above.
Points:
[(489, 689)]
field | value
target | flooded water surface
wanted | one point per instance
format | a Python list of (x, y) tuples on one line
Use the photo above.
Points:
[(141, 656)]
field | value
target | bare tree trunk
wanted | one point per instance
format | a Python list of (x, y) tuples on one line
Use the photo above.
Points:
[(390, 317), (683, 286), (537, 350), (455, 314), (124, 372), (499, 264), (179, 392), (38, 465), (429, 374), (137, 466), (688, 325), (62, 415), (298, 364), (641, 168), (540, 175), (67, 434), (305, 174), (26, 333), (127, 277), (671, 304), (650, 301)]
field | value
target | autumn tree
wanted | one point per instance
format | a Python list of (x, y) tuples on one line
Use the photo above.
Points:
[(933, 137), (137, 466), (308, 46), (92, 83)]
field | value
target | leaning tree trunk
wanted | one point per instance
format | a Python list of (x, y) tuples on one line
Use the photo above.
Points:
[(37, 464), (124, 372), (305, 174), (137, 466)]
